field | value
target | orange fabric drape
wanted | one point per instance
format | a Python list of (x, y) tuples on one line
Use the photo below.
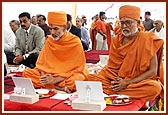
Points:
[(93, 33), (117, 29), (64, 58), (131, 60), (108, 33)]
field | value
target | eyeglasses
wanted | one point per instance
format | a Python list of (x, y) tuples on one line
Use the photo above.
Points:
[(127, 23)]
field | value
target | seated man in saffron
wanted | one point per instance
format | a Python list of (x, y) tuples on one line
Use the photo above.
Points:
[(61, 60), (134, 67)]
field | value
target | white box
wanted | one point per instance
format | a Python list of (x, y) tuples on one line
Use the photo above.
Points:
[(30, 99), (91, 106)]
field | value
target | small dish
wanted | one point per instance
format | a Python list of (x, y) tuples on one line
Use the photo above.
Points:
[(118, 100), (42, 91)]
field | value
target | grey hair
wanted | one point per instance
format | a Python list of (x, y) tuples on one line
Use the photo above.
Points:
[(80, 19), (16, 22)]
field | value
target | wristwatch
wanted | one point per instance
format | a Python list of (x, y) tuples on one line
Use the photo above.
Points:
[(25, 56)]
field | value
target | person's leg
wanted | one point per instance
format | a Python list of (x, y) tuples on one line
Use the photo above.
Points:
[(5, 70), (99, 39), (105, 46), (85, 46), (10, 56), (145, 90), (31, 60)]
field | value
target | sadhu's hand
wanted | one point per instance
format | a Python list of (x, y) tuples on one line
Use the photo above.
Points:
[(119, 84), (49, 79)]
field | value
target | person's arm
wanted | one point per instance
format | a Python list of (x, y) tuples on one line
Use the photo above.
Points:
[(49, 79), (85, 36), (38, 41), (98, 28), (18, 45), (151, 72), (9, 38), (120, 84), (78, 33)]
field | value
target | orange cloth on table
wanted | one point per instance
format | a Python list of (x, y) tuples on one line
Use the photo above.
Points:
[(128, 11), (108, 33), (64, 58), (93, 33), (57, 18), (131, 60)]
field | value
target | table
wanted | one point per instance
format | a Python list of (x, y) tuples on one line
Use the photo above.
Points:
[(47, 104), (134, 106), (44, 104), (92, 56)]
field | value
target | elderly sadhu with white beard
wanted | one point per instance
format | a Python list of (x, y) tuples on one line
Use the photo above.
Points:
[(61, 60), (134, 67)]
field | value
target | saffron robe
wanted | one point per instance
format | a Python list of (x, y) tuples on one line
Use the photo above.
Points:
[(108, 33), (93, 33), (64, 58), (131, 60)]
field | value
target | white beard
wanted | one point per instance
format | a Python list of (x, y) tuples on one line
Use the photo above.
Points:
[(58, 37)]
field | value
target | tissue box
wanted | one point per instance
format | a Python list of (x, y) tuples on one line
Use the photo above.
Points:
[(92, 105), (30, 99)]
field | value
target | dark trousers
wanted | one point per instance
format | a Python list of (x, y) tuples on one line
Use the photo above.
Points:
[(30, 61), (9, 56), (85, 46), (5, 70)]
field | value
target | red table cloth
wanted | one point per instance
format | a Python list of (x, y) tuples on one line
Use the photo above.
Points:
[(92, 56)]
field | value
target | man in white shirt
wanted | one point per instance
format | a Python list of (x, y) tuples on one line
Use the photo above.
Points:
[(5, 64), (158, 29), (9, 44)]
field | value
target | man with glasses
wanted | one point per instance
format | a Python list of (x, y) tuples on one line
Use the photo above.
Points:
[(14, 25), (61, 60), (134, 67), (84, 33)]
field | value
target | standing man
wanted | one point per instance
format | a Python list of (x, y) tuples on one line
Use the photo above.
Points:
[(84, 33), (71, 28), (41, 21), (29, 41), (93, 31), (148, 23), (101, 36), (61, 60), (9, 44)]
